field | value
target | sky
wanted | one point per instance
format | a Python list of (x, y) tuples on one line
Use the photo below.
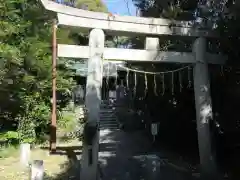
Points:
[(120, 7)]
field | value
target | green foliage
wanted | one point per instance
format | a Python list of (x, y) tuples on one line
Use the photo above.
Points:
[(36, 117), (8, 151), (9, 137), (92, 5), (66, 120), (222, 16), (26, 68), (171, 9), (25, 56)]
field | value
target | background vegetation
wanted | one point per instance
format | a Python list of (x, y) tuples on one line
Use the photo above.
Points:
[(26, 70)]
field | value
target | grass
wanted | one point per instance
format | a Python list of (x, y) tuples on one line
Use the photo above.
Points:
[(55, 165), (7, 151), (63, 165)]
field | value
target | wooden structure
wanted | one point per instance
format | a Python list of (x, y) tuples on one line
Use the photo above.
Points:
[(98, 24)]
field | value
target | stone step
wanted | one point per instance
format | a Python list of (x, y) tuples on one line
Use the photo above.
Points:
[(108, 103), (108, 123), (107, 113), (107, 110), (101, 125), (108, 118), (111, 128), (106, 106)]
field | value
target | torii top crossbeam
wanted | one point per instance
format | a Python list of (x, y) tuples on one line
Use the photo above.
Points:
[(127, 25)]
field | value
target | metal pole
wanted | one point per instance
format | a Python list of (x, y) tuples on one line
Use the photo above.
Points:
[(54, 73)]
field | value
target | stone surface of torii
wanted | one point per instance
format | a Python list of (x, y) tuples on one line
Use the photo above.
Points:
[(133, 55), (97, 22), (119, 25)]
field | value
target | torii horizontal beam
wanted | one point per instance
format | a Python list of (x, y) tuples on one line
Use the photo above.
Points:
[(75, 51), (69, 16), (114, 27)]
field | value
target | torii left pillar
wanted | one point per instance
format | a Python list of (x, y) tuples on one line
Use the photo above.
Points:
[(89, 162)]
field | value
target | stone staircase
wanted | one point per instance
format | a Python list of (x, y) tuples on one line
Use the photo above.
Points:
[(108, 118)]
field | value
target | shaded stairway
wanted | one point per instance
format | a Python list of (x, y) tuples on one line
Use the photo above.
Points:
[(130, 155), (108, 118), (108, 126)]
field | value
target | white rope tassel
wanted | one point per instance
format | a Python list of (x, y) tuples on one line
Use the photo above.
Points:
[(180, 81), (155, 86), (116, 75), (135, 84), (163, 85), (146, 85), (189, 77), (127, 77), (172, 83), (107, 79)]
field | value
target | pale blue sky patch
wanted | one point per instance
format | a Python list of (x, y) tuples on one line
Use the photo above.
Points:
[(121, 7)]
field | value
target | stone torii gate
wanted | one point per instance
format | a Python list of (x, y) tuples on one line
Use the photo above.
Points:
[(98, 23)]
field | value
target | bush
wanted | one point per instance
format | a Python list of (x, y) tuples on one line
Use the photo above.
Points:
[(9, 137), (66, 120), (34, 122)]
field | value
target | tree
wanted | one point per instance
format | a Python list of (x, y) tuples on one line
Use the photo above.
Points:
[(223, 17), (91, 5), (25, 53), (26, 68)]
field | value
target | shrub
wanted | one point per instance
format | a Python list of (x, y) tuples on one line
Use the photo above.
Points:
[(9, 137), (35, 119)]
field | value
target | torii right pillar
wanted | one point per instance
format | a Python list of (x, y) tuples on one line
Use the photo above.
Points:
[(204, 111)]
